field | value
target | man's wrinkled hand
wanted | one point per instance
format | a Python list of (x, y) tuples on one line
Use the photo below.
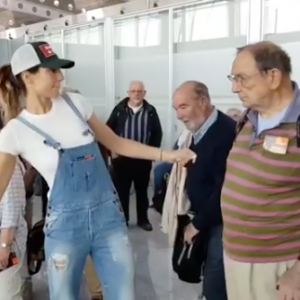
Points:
[(190, 233), (289, 284)]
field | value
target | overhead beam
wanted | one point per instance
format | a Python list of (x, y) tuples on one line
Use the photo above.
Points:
[(33, 9)]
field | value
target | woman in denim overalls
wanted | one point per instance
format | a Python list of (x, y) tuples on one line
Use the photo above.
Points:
[(84, 215)]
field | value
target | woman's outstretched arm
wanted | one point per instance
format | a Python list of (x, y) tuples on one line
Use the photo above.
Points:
[(134, 149)]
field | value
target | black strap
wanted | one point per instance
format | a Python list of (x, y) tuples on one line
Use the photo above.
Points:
[(298, 132), (1, 120), (44, 196), (36, 269), (241, 123)]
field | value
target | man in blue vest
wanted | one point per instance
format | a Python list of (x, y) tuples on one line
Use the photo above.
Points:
[(213, 136)]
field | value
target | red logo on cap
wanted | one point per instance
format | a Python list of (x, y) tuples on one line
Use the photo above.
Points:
[(46, 50)]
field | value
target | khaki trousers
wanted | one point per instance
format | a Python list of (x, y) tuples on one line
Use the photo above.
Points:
[(247, 281), (11, 283), (26, 278), (92, 279)]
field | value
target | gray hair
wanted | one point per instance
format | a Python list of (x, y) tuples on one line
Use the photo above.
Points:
[(268, 55), (199, 88), (137, 82)]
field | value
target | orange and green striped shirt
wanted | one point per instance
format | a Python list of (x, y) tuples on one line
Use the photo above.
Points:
[(261, 195)]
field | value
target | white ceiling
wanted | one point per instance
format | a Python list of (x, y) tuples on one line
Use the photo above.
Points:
[(16, 13)]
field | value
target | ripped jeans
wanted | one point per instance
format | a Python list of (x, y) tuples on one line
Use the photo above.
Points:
[(101, 232)]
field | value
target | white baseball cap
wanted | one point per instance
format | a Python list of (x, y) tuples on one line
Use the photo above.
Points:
[(37, 54)]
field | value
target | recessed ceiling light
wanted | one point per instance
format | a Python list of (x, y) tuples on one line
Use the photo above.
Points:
[(11, 22), (70, 6), (83, 10), (56, 2), (42, 1)]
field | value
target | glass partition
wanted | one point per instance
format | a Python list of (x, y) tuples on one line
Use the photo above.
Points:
[(282, 26), (15, 44), (85, 46), (204, 49), (5, 55), (241, 16), (282, 16), (141, 53), (54, 38)]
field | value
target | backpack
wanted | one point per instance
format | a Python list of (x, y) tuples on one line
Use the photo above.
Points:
[(159, 196), (36, 237), (35, 247)]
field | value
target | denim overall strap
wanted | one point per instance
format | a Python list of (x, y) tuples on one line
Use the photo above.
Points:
[(77, 112), (48, 139)]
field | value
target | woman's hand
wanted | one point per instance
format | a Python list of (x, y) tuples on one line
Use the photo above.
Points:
[(182, 156), (4, 256)]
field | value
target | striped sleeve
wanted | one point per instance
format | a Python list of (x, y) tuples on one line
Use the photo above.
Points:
[(13, 202)]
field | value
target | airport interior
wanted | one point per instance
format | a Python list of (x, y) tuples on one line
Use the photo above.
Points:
[(161, 44)]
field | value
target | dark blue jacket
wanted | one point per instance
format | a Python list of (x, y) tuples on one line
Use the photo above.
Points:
[(205, 177)]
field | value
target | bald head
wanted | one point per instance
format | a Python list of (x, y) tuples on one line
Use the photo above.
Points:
[(136, 84), (197, 88), (136, 93), (267, 56), (192, 104)]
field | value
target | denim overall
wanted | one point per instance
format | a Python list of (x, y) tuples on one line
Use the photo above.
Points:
[(85, 218)]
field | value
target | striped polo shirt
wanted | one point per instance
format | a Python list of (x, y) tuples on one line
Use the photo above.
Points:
[(136, 125), (261, 192)]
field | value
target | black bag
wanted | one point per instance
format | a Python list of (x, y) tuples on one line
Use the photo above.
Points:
[(35, 247), (159, 195), (188, 260)]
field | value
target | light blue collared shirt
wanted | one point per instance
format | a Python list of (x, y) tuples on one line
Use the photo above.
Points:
[(199, 134), (288, 115)]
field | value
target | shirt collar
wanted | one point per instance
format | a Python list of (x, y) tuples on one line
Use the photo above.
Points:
[(197, 135), (292, 113)]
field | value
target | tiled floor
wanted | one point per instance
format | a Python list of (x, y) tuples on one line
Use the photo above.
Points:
[(154, 277)]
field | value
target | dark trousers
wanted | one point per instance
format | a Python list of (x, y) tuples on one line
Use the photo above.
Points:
[(127, 171), (214, 286)]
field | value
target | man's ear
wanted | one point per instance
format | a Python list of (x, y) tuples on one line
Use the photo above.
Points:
[(202, 101)]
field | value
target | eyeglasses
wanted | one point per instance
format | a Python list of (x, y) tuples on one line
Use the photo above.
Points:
[(243, 79), (240, 79), (136, 92)]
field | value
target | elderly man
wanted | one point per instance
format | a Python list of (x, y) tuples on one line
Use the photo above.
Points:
[(136, 119), (213, 135), (234, 113), (261, 192)]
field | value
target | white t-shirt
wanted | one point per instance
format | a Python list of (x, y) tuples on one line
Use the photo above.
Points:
[(61, 123)]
